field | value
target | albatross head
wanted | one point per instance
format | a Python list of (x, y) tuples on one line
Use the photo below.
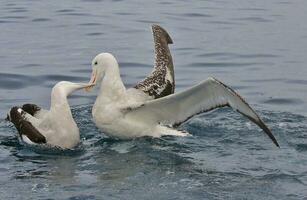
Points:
[(100, 64)]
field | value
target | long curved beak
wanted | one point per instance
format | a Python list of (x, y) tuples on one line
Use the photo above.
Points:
[(92, 82), (78, 86), (71, 87)]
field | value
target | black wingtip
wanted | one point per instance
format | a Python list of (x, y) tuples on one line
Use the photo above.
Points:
[(268, 132), (30, 108), (275, 141), (256, 120), (158, 31), (262, 125), (271, 136)]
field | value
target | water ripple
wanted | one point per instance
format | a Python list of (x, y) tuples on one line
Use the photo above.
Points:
[(18, 10), (200, 161), (252, 19), (301, 147), (74, 14), (14, 81), (41, 20), (82, 71), (147, 21), (196, 15), (7, 22), (236, 55), (284, 101), (90, 24), (299, 82), (65, 11), (253, 9), (225, 22), (265, 80), (29, 65), (125, 13), (222, 64), (132, 64), (14, 17), (94, 34), (93, 1), (55, 77)]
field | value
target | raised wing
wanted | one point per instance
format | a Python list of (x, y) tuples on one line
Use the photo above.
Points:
[(208, 95), (161, 81)]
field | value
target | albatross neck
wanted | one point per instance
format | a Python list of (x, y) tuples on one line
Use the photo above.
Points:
[(59, 101), (112, 86)]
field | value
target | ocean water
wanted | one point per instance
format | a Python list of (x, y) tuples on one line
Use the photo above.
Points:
[(257, 47)]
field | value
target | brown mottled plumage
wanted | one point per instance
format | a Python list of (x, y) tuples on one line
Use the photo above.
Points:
[(161, 81)]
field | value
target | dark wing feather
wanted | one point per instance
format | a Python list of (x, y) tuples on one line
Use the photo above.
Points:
[(24, 127), (31, 108), (161, 81)]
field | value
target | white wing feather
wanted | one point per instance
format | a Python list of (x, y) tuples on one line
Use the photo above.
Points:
[(210, 94)]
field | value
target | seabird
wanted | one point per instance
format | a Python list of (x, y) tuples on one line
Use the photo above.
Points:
[(161, 81), (129, 113), (55, 127)]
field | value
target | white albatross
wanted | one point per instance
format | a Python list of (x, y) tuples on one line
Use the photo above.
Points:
[(129, 113), (55, 127)]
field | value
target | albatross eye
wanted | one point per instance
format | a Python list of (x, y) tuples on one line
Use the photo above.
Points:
[(96, 63)]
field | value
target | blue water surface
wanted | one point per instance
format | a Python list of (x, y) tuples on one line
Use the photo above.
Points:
[(257, 47)]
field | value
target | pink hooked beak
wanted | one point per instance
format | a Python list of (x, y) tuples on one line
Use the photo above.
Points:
[(92, 82)]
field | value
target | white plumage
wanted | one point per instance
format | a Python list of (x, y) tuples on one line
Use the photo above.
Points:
[(130, 113), (55, 127)]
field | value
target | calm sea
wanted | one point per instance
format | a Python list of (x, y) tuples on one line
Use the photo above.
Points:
[(257, 47)]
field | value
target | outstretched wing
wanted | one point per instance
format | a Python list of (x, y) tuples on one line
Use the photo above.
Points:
[(210, 94), (161, 81)]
